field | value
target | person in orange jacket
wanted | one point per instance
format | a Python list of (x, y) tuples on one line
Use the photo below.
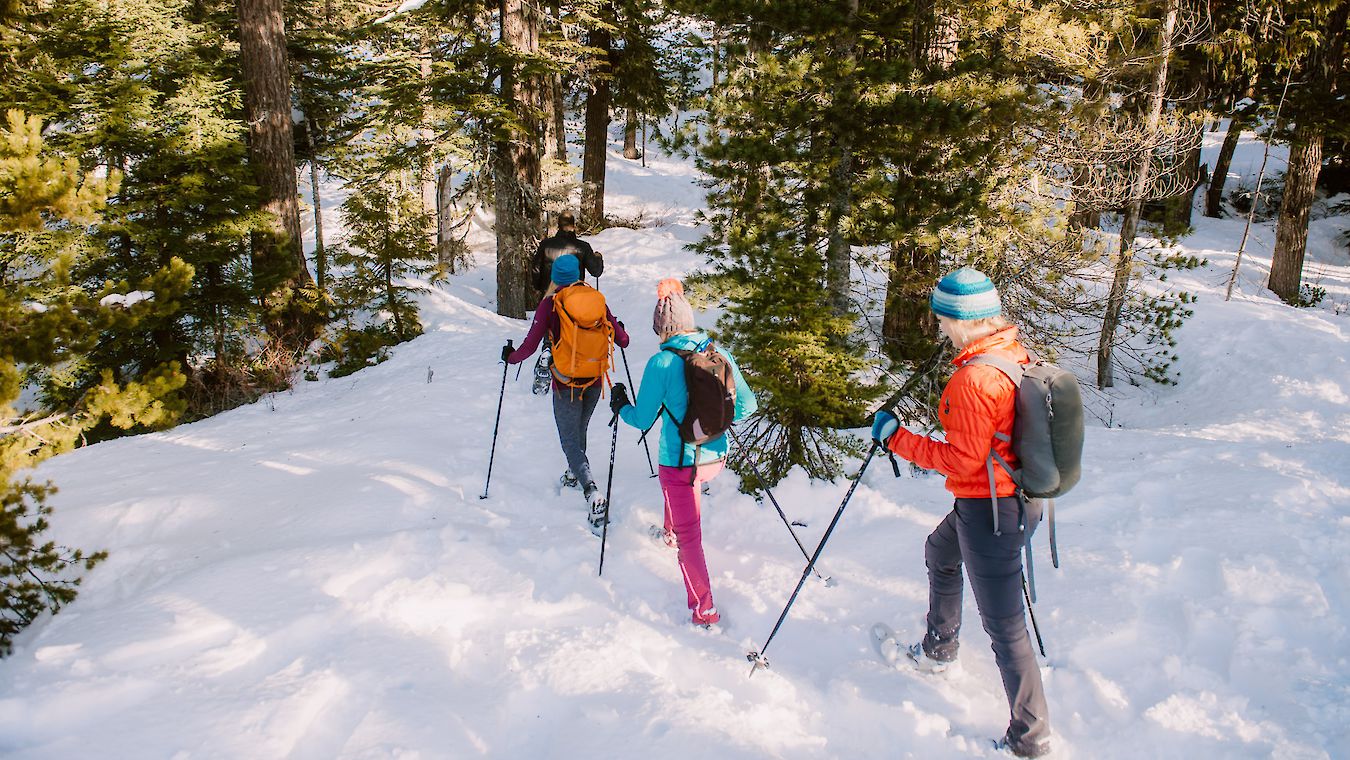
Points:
[(978, 402)]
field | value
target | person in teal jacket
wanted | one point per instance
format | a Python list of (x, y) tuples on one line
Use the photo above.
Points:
[(663, 394)]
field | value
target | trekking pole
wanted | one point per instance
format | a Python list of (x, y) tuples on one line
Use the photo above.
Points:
[(827, 580), (1032, 612), (609, 489), (757, 658), (646, 446), (493, 454)]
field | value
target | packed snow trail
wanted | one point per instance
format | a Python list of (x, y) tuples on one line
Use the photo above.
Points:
[(314, 576)]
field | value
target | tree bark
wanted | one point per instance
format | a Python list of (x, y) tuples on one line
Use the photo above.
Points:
[(320, 255), (1124, 269), (630, 130), (1291, 231), (446, 257), (716, 59), (1217, 180), (909, 328), (559, 120), (1179, 211), (278, 258), (516, 170), (597, 135)]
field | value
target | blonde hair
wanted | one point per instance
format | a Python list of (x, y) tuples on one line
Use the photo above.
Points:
[(963, 332)]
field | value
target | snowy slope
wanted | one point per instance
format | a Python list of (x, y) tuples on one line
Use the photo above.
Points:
[(314, 575)]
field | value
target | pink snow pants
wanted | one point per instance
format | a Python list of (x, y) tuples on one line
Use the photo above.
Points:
[(684, 519)]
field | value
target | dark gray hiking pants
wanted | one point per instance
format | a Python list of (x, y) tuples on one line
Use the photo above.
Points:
[(966, 536), (572, 409)]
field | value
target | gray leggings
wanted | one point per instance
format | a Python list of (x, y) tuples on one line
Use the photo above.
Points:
[(572, 408), (966, 536)]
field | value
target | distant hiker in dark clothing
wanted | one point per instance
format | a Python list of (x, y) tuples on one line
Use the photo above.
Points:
[(582, 330), (685, 466), (563, 243), (977, 404)]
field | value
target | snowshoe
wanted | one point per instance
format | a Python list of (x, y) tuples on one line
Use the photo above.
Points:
[(543, 374), (708, 620), (599, 509), (1021, 749), (568, 480), (663, 536), (890, 649), (925, 664)]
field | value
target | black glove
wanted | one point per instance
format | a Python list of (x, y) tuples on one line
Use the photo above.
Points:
[(618, 398), (507, 350)]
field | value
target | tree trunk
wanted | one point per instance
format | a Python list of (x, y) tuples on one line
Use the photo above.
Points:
[(1291, 232), (320, 256), (909, 328), (557, 111), (427, 135), (1214, 195), (716, 59), (516, 165), (630, 129), (559, 120), (1179, 210), (941, 48), (278, 258), (390, 294), (597, 135), (1124, 268), (838, 252), (446, 255), (1086, 215), (1305, 161)]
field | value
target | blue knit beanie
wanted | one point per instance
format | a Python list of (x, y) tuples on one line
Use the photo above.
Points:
[(566, 269), (965, 294)]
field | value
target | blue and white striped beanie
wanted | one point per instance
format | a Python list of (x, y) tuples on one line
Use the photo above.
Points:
[(965, 294)]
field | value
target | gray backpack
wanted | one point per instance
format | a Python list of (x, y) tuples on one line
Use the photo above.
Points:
[(1047, 434)]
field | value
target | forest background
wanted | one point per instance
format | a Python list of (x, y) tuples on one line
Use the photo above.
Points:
[(150, 211)]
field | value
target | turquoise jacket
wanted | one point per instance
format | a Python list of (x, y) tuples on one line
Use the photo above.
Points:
[(663, 385)]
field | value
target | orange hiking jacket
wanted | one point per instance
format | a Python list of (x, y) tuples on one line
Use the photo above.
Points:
[(978, 401)]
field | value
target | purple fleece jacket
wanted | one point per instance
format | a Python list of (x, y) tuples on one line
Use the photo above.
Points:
[(546, 322)]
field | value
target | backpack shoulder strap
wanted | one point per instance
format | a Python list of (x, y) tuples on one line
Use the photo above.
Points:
[(1008, 367)]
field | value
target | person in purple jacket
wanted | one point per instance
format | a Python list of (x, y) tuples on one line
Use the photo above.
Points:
[(572, 407)]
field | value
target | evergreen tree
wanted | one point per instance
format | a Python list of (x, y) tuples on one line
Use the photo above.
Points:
[(1317, 31), (158, 105), (279, 266), (387, 247), (848, 130), (46, 207)]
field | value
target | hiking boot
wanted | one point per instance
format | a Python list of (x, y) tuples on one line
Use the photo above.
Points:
[(568, 480), (1022, 748), (925, 664), (707, 618)]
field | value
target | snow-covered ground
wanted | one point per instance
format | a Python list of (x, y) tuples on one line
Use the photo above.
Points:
[(314, 575)]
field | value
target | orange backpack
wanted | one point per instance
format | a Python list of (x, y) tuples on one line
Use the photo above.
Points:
[(585, 344)]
